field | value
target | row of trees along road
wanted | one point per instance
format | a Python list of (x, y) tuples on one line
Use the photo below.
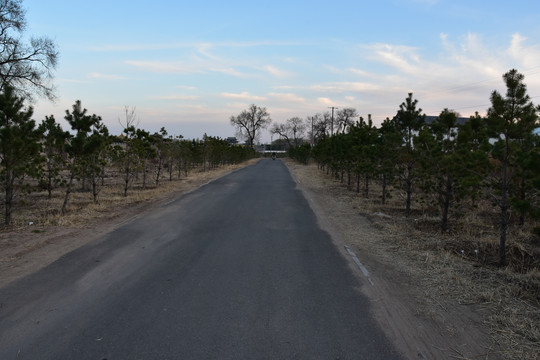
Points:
[(495, 157), (55, 158)]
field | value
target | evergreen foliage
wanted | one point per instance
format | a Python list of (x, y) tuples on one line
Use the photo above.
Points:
[(19, 147), (451, 163)]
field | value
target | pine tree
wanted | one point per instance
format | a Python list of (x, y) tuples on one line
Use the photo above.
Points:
[(54, 149), (442, 170), (473, 147), (80, 146), (512, 120), (19, 146), (387, 150), (409, 121)]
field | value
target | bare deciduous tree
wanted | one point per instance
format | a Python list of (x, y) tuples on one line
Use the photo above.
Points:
[(345, 118), (27, 67), (249, 122), (128, 153), (319, 125), (292, 131)]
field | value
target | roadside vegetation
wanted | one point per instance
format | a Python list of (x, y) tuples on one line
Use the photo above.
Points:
[(457, 199), (447, 171), (48, 172)]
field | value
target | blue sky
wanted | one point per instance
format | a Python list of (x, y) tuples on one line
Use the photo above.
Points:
[(190, 65)]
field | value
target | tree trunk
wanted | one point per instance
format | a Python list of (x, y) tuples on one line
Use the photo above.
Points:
[(504, 206), (95, 188), (366, 188), (102, 175), (9, 196), (522, 197), (408, 189), (447, 199), (49, 180), (144, 175), (158, 174), (504, 228), (384, 189), (126, 181), (68, 191)]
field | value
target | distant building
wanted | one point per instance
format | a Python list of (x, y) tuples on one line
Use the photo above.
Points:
[(459, 120), (431, 118), (232, 140)]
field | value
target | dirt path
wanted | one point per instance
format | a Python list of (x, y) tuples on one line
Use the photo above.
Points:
[(423, 325)]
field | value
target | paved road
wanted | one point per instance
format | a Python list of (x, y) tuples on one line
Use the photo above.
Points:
[(238, 269)]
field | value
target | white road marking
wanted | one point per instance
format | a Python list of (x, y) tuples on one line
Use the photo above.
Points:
[(360, 265)]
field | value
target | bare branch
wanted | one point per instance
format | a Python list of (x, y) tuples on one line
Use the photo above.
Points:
[(27, 67)]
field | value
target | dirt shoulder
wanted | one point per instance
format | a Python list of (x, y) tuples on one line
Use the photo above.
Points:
[(423, 322)]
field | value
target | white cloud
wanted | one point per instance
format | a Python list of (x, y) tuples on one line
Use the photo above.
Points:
[(230, 71), (358, 86), (359, 72), (459, 75), (276, 72), (96, 75), (339, 87), (202, 47), (186, 87), (403, 58), (325, 88), (286, 97), (164, 67), (242, 96), (138, 47), (529, 56), (72, 81), (175, 97), (333, 69), (325, 101)]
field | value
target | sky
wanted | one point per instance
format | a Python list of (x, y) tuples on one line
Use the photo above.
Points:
[(189, 66)]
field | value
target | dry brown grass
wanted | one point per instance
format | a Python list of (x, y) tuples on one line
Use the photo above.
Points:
[(458, 265), (36, 209)]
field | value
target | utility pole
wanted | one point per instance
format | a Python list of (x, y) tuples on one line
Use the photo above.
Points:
[(332, 126)]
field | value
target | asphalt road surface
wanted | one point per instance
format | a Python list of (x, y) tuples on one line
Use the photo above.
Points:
[(238, 269)]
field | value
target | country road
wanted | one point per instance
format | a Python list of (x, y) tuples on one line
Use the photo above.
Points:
[(237, 269)]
